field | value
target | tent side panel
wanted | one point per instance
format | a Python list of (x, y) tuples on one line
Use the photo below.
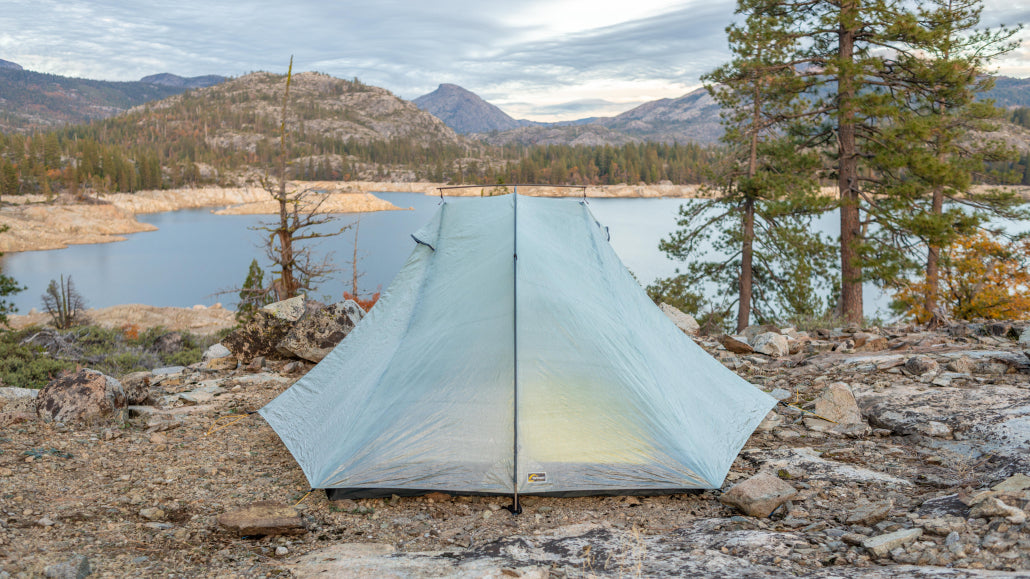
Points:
[(612, 395)]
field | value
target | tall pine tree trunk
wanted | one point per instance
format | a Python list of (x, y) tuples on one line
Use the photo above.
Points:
[(933, 259), (287, 282), (747, 250), (847, 160)]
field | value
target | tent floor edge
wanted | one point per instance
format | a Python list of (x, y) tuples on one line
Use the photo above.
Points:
[(380, 493)]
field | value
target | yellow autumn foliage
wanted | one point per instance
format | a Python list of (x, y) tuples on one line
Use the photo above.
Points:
[(981, 276)]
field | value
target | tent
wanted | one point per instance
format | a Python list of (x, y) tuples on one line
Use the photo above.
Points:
[(515, 354)]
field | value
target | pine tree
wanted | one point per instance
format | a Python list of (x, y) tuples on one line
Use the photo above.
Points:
[(932, 149)]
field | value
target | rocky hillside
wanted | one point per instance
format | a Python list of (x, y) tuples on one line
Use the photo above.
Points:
[(31, 101), (588, 135), (693, 117), (463, 111), (923, 472), (176, 81), (10, 65)]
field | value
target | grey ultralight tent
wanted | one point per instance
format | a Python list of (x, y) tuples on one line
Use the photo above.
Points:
[(515, 354)]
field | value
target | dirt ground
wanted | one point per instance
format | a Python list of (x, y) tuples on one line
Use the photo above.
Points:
[(140, 495)]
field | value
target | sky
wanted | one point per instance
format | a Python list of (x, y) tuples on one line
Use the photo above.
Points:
[(545, 60)]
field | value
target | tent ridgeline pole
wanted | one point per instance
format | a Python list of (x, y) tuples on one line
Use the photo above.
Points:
[(515, 508)]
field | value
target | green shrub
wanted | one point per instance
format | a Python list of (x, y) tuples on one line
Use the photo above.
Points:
[(25, 366)]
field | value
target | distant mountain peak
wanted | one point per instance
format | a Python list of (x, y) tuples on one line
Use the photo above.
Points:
[(176, 81), (10, 65), (464, 111)]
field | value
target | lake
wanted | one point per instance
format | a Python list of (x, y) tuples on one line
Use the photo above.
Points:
[(195, 254)]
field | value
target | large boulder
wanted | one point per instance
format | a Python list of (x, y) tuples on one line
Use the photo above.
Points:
[(683, 321), (261, 336), (771, 344), (85, 395), (316, 334)]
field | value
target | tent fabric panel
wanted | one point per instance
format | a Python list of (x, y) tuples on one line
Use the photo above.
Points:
[(611, 394), (398, 417)]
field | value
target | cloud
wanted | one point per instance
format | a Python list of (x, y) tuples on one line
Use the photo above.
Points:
[(534, 58)]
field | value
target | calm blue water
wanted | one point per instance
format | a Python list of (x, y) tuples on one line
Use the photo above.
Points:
[(195, 254)]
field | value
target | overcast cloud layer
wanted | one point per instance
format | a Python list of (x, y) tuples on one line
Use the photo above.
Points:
[(536, 59)]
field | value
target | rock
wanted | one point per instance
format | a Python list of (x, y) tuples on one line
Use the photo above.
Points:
[(934, 428), (919, 365), (838, 404), (780, 394), (18, 399), (264, 518), (882, 545), (152, 514), (85, 395), (137, 388), (281, 551), (993, 507), (258, 337), (75, 568), (316, 334), (752, 332), (289, 310), (168, 371), (771, 344), (735, 345), (1013, 484), (216, 351), (759, 495), (223, 363), (868, 515), (683, 321), (770, 422), (961, 365)]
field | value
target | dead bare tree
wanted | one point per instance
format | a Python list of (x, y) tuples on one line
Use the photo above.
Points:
[(299, 215)]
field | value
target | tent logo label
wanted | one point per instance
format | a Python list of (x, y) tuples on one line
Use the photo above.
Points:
[(537, 477)]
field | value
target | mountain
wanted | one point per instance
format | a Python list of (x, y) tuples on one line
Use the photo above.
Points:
[(176, 81), (31, 101), (463, 111), (1010, 92), (9, 64), (693, 117)]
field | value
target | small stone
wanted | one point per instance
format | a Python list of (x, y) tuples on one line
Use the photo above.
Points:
[(158, 438), (780, 394), (882, 545), (159, 526), (223, 363), (216, 351), (961, 365), (735, 345), (685, 322), (281, 551), (760, 495), (919, 365), (264, 518), (770, 422), (75, 568), (868, 515), (45, 522), (152, 513), (771, 344)]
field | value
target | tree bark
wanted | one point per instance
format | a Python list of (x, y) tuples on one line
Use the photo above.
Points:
[(847, 177)]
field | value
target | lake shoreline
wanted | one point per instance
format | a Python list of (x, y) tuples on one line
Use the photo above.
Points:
[(35, 224)]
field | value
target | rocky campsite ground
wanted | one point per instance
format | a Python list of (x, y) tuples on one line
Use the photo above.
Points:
[(923, 474)]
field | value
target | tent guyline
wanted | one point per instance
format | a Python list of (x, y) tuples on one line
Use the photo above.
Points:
[(512, 355)]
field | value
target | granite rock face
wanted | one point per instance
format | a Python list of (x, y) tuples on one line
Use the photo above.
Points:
[(85, 395), (316, 334)]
